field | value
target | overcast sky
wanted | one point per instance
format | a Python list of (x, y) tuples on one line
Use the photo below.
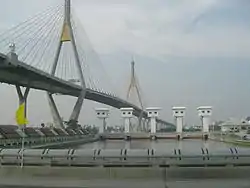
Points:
[(187, 52)]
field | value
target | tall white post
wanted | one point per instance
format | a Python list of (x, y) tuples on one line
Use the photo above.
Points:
[(205, 112), (153, 113), (126, 125), (153, 125), (127, 114), (179, 113), (102, 114)]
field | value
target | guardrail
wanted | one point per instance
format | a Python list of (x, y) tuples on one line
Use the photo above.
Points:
[(43, 140), (126, 157)]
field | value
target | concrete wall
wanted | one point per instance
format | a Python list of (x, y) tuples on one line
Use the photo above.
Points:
[(113, 177)]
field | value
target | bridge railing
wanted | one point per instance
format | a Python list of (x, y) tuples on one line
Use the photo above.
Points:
[(126, 157), (31, 141)]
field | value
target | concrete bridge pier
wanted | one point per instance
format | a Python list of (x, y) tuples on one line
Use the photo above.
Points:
[(179, 113), (12, 58), (58, 122), (127, 114), (23, 97), (153, 113), (102, 114), (205, 112)]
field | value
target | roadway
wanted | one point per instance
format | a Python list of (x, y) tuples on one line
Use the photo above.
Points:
[(198, 183)]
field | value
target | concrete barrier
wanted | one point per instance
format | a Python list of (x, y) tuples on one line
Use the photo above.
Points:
[(63, 177), (119, 173)]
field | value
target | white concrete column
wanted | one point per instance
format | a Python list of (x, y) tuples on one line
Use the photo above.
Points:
[(102, 114), (179, 125), (127, 114), (179, 113), (102, 126), (153, 125), (153, 113), (126, 125), (205, 113)]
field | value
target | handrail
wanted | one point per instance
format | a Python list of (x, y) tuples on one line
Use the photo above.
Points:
[(125, 157)]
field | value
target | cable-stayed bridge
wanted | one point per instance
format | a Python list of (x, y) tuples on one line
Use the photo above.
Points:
[(51, 52)]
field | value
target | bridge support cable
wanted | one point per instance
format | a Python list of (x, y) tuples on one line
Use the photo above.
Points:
[(24, 31), (90, 80), (92, 63), (37, 42), (67, 36)]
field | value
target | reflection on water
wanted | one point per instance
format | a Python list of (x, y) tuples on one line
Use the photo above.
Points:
[(188, 145)]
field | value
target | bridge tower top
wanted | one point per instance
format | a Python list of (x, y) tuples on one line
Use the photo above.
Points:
[(133, 71), (67, 6), (134, 85)]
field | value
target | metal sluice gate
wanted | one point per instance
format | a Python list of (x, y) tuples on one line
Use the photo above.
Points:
[(202, 157)]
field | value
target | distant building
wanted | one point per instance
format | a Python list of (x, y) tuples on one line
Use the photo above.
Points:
[(197, 127), (234, 125), (248, 118)]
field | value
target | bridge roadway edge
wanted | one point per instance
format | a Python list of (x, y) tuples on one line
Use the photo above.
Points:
[(58, 145)]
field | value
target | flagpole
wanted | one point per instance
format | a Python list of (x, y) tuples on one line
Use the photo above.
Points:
[(22, 149), (21, 121)]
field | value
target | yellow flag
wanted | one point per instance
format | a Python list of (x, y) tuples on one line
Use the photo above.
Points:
[(65, 33), (20, 115)]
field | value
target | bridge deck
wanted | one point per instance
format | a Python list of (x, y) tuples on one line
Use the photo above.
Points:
[(28, 76)]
